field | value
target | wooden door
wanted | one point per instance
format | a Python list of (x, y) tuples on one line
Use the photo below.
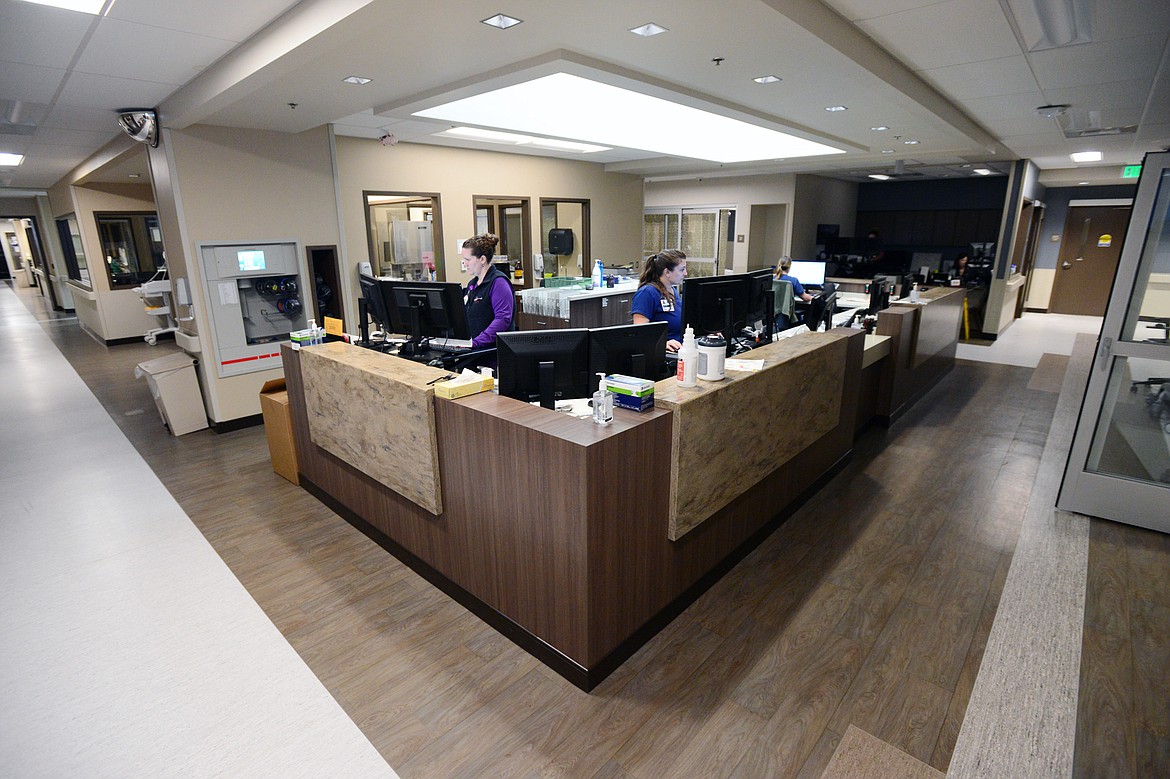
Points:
[(1089, 253)]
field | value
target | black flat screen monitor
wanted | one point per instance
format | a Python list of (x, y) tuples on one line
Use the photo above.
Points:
[(763, 301), (425, 309), (809, 273), (879, 294), (718, 304), (375, 304), (544, 365), (631, 350), (821, 308)]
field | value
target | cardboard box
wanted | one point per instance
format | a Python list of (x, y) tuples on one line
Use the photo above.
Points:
[(278, 428)]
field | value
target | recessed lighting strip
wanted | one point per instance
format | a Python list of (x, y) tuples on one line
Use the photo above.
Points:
[(631, 120)]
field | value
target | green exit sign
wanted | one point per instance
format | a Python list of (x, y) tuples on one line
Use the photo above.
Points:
[(1131, 171)]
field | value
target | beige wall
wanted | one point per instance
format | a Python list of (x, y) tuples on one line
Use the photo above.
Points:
[(221, 184), (739, 192), (110, 314), (457, 175), (820, 200)]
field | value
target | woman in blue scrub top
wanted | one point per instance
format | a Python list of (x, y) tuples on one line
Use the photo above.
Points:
[(657, 300)]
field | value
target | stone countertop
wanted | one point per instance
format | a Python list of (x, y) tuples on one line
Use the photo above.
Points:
[(929, 295), (580, 294), (722, 444), (876, 347), (375, 412)]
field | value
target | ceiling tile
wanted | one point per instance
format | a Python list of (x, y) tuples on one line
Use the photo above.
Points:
[(1005, 76), (89, 91), (1098, 63), (81, 138), (1004, 106), (29, 82), (75, 117), (869, 9), (948, 33), (40, 35), (225, 19), (1026, 124), (129, 50), (1130, 18)]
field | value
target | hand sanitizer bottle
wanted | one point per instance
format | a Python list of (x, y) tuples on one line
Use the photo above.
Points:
[(602, 402), (688, 360), (598, 274)]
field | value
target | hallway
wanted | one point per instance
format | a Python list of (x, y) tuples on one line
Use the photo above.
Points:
[(871, 606)]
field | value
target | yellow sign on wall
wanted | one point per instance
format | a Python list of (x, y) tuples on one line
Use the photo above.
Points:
[(1105, 241)]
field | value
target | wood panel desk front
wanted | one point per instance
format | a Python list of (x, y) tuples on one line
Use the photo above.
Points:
[(555, 530)]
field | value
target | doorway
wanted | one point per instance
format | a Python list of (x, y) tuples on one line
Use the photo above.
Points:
[(509, 219), (1089, 253)]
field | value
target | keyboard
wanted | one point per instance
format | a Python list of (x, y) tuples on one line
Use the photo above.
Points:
[(449, 345)]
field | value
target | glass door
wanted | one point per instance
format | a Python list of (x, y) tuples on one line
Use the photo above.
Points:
[(1119, 463)]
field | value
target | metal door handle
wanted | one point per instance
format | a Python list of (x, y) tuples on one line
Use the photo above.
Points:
[(1066, 265)]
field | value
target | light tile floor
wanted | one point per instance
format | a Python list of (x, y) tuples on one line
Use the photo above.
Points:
[(127, 647), (1030, 337)]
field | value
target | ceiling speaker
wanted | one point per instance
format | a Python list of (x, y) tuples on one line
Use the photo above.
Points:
[(141, 124)]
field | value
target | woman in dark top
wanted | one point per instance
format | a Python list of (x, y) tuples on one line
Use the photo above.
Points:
[(490, 300), (656, 299)]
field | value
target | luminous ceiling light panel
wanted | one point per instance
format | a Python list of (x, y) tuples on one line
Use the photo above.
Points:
[(833, 109), (648, 29), (503, 21), (630, 119), (879, 176), (359, 80), (515, 139), (911, 143), (887, 151), (1086, 156), (982, 171), (85, 6), (10, 160), (1081, 183), (880, 128), (766, 79)]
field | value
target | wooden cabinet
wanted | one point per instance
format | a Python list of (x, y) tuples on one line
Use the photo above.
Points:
[(537, 322)]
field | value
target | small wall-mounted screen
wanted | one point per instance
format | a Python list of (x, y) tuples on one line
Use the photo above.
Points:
[(251, 259)]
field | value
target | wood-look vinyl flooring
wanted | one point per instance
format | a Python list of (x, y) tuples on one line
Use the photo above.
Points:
[(869, 607), (1123, 711)]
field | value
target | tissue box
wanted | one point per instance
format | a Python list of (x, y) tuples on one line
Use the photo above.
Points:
[(631, 392), (464, 385)]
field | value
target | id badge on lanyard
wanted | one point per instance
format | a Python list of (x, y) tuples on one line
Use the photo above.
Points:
[(667, 305)]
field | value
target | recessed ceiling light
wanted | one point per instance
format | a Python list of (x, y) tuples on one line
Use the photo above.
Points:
[(1081, 183), (9, 159), (648, 29), (911, 143), (694, 133), (982, 171), (135, 175), (516, 139), (879, 176), (887, 151), (766, 79), (836, 108), (880, 128), (356, 80), (503, 21), (1086, 156), (85, 6)]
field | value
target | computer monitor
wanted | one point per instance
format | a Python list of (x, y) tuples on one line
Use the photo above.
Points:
[(544, 365), (821, 308), (632, 350), (879, 294), (808, 272), (425, 309), (375, 304), (718, 304), (763, 301)]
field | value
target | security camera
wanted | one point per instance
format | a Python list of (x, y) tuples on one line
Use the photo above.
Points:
[(388, 139)]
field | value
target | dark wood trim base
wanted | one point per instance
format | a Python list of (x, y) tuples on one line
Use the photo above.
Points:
[(573, 672), (232, 425)]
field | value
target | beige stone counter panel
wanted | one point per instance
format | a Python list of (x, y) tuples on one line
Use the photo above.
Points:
[(376, 413), (721, 447)]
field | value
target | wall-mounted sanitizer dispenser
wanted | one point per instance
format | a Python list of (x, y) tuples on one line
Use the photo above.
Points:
[(255, 295)]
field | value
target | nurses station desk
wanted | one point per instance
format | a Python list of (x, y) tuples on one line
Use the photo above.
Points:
[(577, 541)]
